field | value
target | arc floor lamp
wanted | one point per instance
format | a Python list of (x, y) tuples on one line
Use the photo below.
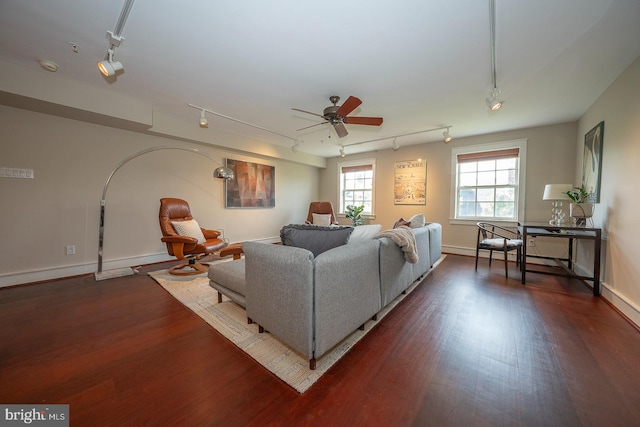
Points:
[(221, 172)]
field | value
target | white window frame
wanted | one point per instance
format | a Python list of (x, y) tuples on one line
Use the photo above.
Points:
[(521, 145), (361, 162)]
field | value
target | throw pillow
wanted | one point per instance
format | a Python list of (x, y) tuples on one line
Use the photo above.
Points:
[(316, 239), (417, 220), (189, 228), (365, 232), (321, 219), (402, 222)]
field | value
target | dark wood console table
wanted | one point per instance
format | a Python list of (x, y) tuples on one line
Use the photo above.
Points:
[(562, 232)]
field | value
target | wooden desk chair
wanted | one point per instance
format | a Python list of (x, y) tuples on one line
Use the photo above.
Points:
[(494, 237)]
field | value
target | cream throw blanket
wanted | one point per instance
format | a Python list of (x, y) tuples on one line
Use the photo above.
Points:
[(403, 236)]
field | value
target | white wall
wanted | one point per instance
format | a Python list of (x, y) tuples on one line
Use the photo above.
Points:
[(617, 212), (72, 160)]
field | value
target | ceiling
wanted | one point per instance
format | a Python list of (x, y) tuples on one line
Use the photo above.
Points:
[(419, 64)]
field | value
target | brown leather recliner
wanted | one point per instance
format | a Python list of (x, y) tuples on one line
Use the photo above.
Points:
[(183, 246), (325, 208)]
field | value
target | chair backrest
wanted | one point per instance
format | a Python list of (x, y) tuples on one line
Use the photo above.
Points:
[(323, 208), (487, 230), (484, 230), (172, 210)]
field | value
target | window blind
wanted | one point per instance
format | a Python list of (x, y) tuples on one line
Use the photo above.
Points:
[(488, 155)]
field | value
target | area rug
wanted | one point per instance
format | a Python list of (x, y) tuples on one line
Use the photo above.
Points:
[(230, 320)]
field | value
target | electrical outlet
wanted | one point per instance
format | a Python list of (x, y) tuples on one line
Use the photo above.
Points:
[(70, 250), (531, 242)]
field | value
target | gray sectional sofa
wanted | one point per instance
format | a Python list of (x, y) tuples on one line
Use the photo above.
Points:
[(312, 302)]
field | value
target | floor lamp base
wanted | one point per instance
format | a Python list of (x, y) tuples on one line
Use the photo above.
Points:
[(112, 274)]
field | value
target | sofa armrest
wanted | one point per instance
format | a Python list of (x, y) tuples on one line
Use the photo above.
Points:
[(347, 291), (279, 292)]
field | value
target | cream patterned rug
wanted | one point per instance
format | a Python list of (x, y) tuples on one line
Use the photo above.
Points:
[(230, 320)]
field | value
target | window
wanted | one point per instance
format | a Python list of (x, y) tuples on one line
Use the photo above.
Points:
[(488, 181), (356, 182)]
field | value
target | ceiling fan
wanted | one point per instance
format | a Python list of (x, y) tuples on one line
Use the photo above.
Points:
[(337, 116)]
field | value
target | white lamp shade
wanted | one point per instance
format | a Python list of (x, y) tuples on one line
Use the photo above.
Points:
[(556, 191)]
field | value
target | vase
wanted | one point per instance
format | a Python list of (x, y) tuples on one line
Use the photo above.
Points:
[(581, 210)]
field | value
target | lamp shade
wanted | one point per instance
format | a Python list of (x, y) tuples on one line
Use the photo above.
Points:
[(556, 191)]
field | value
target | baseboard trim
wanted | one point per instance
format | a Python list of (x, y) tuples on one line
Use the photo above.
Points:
[(622, 304), (59, 272), (117, 265)]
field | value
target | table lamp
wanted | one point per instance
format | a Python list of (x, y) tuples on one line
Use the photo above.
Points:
[(556, 193)]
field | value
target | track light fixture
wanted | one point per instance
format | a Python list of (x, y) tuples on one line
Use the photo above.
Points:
[(202, 109), (447, 137), (204, 123), (492, 101), (342, 153), (109, 67), (295, 146), (395, 146)]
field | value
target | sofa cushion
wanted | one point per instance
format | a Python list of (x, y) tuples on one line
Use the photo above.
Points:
[(417, 220), (316, 239), (365, 232)]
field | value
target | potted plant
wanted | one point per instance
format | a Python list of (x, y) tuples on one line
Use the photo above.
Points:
[(354, 214), (579, 208)]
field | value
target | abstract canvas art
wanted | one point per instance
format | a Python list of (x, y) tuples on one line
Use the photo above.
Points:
[(254, 185)]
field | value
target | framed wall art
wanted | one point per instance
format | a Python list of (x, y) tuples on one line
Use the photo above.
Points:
[(254, 185), (410, 182), (592, 162)]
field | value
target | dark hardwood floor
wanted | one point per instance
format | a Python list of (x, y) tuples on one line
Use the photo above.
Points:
[(464, 348)]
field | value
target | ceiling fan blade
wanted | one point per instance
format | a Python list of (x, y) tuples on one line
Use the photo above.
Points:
[(308, 112), (340, 130), (307, 127), (371, 121), (349, 105)]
